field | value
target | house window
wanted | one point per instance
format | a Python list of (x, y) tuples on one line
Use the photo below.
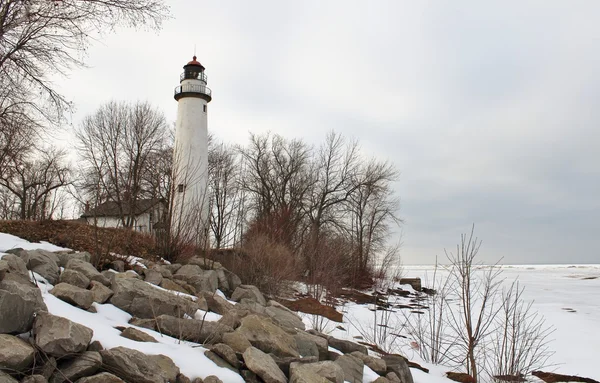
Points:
[(181, 188), (204, 108)]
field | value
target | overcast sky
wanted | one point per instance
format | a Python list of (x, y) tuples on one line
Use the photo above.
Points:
[(489, 110)]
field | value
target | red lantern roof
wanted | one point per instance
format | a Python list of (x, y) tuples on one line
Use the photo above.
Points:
[(194, 62)]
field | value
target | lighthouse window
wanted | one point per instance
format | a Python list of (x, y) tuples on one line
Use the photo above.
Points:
[(204, 108), (180, 188)]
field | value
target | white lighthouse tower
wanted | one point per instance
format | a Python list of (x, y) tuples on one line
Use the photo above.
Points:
[(190, 214)]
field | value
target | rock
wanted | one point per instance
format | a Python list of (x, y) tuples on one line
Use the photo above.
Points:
[(284, 316), (74, 278), (3, 268), (191, 329), (164, 271), (397, 364), (137, 335), (64, 258), (203, 280), (321, 343), (95, 346), (250, 377), (152, 276), (353, 368), (212, 379), (15, 353), (103, 377), (216, 303), (40, 261), (233, 317), (187, 287), (268, 337), (182, 379), (47, 368), (227, 353), (251, 305), (134, 366), (73, 295), (284, 363), (88, 270), (232, 280), (238, 342), (415, 283), (263, 366), (205, 263), (100, 293), (306, 344), (15, 264), (346, 346), (249, 292), (58, 336), (381, 379), (34, 379), (216, 359), (170, 285), (143, 300), (375, 364), (83, 365), (18, 305), (5, 378), (392, 377), (322, 371), (118, 266)]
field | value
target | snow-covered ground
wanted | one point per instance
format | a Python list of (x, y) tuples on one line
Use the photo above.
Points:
[(568, 296)]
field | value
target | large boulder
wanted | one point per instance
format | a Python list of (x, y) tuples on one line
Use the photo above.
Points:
[(263, 365), (100, 293), (58, 336), (19, 303), (268, 337), (234, 317), (43, 262), (219, 361), (376, 364), (104, 377), (191, 329), (170, 285), (227, 353), (15, 353), (236, 341), (74, 295), (74, 278), (284, 316), (249, 292), (64, 257), (137, 335), (146, 301), (34, 379), (88, 270), (346, 346), (134, 366), (15, 264), (152, 276), (353, 368), (326, 371), (311, 345), (83, 365), (398, 365), (201, 280), (216, 303), (5, 378)]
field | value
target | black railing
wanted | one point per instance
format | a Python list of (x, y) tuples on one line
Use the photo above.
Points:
[(192, 76), (193, 88)]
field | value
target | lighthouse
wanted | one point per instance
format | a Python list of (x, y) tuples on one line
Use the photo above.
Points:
[(190, 210)]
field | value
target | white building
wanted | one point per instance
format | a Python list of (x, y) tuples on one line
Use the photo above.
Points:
[(148, 215), (190, 212)]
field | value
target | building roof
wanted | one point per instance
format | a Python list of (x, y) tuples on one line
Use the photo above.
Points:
[(111, 208)]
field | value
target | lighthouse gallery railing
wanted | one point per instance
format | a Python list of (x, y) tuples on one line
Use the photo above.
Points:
[(193, 88)]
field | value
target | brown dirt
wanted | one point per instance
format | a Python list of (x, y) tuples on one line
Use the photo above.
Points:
[(313, 306), (460, 377), (550, 377)]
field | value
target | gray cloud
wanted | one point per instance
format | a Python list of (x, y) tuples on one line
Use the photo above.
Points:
[(489, 110)]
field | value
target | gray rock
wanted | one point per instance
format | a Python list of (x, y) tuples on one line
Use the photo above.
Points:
[(263, 365), (60, 337), (64, 258), (316, 372), (134, 366), (212, 379), (118, 265), (268, 337), (375, 364), (73, 295), (204, 280), (4, 268), (227, 353), (15, 264), (83, 365), (284, 363), (251, 305), (164, 271), (216, 303), (170, 285), (216, 359), (353, 368), (43, 262), (145, 301), (381, 379), (95, 346), (5, 378), (100, 293), (74, 278), (182, 379), (103, 377), (346, 346), (88, 270), (34, 379), (236, 341), (18, 305), (232, 280), (205, 263), (191, 329), (189, 270), (284, 316), (250, 292), (152, 276), (15, 353), (311, 345), (392, 377), (397, 364), (250, 377), (48, 368), (233, 317), (137, 335)]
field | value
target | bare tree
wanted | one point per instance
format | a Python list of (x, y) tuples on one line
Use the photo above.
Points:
[(117, 145), (42, 38), (32, 179)]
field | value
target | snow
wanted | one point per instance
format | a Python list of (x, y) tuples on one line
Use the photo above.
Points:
[(8, 242)]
